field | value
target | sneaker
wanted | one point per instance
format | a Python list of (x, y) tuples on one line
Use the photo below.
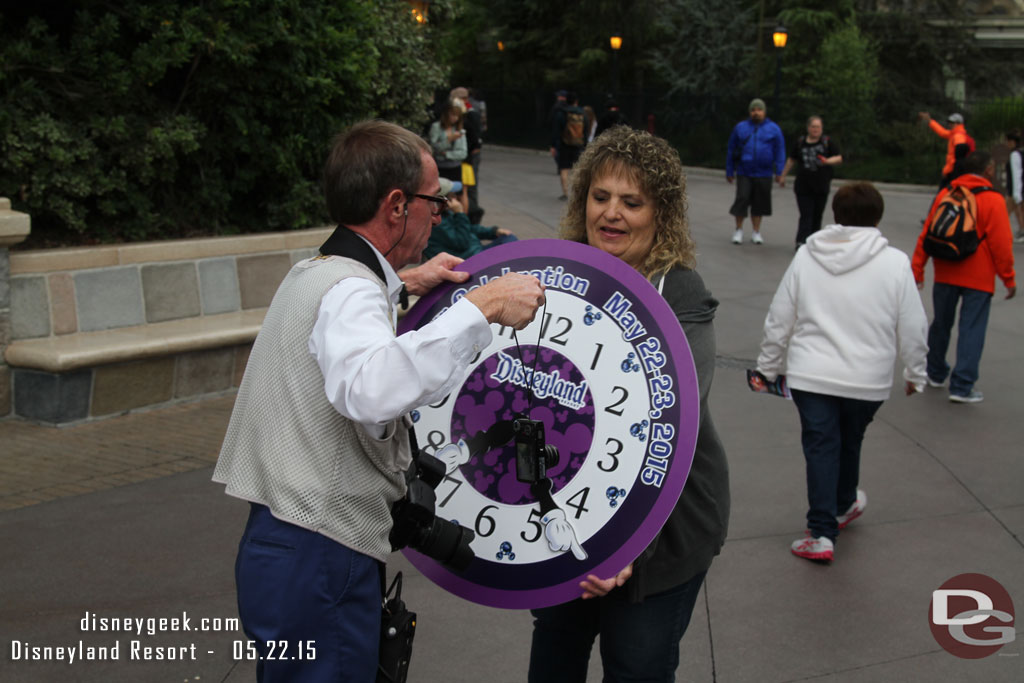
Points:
[(933, 383), (819, 549), (737, 237), (973, 397), (756, 238), (855, 511), (1019, 239)]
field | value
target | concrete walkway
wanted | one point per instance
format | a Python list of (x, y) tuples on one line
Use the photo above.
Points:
[(119, 518)]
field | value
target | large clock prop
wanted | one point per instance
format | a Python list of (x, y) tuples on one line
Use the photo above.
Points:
[(605, 376)]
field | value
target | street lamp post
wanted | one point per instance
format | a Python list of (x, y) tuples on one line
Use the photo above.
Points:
[(779, 37), (616, 43), (501, 72)]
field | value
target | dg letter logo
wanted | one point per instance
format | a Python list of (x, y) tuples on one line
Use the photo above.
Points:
[(971, 616)]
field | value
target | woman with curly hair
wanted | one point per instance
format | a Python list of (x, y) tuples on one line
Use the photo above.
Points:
[(628, 199)]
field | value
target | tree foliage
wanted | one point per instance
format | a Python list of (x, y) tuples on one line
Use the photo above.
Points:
[(707, 45), (158, 118), (847, 82)]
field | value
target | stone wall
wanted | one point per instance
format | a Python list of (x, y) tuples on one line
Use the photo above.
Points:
[(115, 299)]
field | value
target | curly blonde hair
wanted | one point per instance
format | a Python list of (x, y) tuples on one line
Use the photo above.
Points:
[(654, 165)]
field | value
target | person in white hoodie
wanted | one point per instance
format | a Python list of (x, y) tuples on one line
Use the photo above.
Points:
[(846, 304)]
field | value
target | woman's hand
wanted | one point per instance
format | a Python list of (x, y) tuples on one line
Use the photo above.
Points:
[(594, 587)]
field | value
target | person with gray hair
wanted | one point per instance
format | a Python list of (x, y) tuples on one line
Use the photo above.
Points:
[(320, 437)]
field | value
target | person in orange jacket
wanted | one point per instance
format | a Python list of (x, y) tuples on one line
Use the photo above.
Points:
[(955, 135), (971, 280)]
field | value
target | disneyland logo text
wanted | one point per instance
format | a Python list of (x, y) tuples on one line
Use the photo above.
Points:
[(544, 384)]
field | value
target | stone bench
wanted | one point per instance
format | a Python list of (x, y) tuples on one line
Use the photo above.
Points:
[(98, 331)]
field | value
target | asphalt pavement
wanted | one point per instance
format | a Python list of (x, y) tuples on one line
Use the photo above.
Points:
[(115, 536)]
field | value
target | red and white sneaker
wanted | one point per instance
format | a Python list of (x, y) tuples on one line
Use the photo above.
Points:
[(811, 548), (855, 511)]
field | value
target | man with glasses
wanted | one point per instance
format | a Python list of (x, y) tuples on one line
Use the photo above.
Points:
[(319, 439)]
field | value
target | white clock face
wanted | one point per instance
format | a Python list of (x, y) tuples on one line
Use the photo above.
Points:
[(606, 371)]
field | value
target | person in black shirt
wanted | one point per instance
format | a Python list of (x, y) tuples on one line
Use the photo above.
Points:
[(815, 154)]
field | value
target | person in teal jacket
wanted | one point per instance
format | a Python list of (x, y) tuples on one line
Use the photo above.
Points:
[(456, 235)]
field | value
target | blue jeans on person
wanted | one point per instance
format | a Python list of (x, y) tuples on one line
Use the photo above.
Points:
[(812, 208), (831, 432), (971, 335), (639, 640), (317, 599)]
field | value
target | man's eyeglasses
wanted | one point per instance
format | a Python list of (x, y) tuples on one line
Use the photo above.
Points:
[(440, 203)]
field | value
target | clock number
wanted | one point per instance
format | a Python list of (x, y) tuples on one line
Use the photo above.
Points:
[(662, 431), (501, 331), (580, 506), (612, 407), (483, 516), (435, 435), (660, 384), (457, 482), (615, 461), (532, 520), (441, 402), (558, 338), (597, 354), (650, 354)]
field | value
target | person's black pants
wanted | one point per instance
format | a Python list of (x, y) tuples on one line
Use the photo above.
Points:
[(812, 207)]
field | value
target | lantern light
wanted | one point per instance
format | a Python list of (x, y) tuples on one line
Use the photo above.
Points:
[(779, 37)]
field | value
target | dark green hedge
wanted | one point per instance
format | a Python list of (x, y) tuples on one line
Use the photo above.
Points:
[(162, 119)]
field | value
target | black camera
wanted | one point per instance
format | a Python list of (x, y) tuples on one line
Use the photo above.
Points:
[(533, 454), (416, 525)]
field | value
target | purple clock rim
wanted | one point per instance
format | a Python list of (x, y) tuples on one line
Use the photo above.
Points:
[(689, 416)]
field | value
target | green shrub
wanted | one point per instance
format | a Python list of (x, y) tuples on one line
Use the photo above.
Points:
[(162, 119)]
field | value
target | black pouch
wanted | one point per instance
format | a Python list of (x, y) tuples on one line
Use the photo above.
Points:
[(397, 628)]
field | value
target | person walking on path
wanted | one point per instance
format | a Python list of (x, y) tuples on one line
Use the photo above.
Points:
[(448, 141), (955, 136), (1015, 181), (814, 154), (473, 122), (969, 282), (568, 136), (320, 437), (843, 308), (756, 151)]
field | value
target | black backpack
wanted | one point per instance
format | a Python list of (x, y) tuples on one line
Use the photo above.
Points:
[(953, 233)]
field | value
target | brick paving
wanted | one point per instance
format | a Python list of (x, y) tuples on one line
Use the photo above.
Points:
[(41, 463)]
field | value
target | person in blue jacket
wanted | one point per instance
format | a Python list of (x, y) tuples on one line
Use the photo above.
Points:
[(757, 152)]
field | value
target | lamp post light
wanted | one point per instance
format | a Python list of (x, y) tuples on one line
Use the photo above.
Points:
[(501, 70), (616, 42), (779, 37)]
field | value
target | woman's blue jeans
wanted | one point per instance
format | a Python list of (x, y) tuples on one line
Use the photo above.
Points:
[(831, 431)]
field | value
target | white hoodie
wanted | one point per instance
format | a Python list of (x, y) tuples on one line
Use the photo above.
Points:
[(844, 306)]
